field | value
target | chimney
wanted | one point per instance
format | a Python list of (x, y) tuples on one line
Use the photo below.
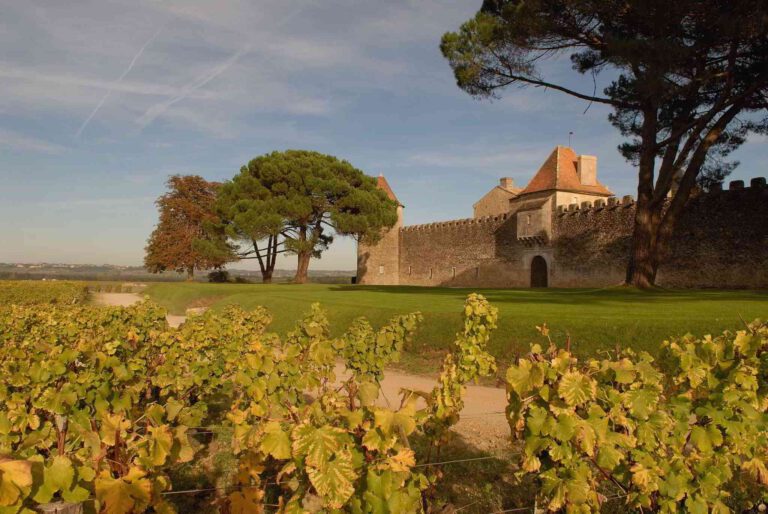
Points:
[(586, 168), (507, 183)]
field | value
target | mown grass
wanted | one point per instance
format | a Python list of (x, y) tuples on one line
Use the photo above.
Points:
[(595, 320)]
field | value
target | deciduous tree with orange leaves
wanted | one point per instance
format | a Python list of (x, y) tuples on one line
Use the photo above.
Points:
[(184, 210)]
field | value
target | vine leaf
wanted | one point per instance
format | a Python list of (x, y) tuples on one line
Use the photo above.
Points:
[(247, 501), (14, 476), (525, 376), (403, 461), (576, 388), (123, 495), (317, 444), (368, 393), (276, 441), (334, 480), (160, 443), (60, 474)]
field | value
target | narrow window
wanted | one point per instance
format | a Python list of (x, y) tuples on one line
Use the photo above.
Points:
[(453, 270), (410, 270), (381, 270), (529, 219), (430, 272), (477, 272)]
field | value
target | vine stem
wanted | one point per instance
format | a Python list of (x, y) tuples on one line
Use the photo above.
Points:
[(608, 476)]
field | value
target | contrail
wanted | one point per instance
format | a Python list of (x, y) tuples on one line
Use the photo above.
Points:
[(118, 81), (158, 109)]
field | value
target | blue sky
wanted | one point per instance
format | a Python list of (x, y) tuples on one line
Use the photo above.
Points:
[(101, 101)]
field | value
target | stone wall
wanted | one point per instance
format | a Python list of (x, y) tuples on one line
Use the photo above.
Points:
[(494, 203), (467, 252), (721, 241), (380, 263)]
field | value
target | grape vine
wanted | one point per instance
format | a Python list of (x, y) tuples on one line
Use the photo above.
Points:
[(683, 435)]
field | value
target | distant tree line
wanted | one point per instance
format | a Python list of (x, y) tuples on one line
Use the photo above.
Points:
[(291, 202)]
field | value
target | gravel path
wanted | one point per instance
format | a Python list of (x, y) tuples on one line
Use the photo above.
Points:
[(483, 423)]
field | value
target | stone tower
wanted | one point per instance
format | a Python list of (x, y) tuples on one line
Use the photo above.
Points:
[(380, 263)]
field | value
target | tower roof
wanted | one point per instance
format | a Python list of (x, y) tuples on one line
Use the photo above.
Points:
[(384, 186), (559, 173)]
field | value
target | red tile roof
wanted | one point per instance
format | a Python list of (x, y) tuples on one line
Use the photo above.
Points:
[(559, 172), (384, 186)]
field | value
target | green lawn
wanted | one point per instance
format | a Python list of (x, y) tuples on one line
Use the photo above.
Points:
[(595, 319)]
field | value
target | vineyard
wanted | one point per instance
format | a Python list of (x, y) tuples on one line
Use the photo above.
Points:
[(106, 407), (32, 292)]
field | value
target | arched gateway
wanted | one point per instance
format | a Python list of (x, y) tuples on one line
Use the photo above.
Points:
[(539, 272)]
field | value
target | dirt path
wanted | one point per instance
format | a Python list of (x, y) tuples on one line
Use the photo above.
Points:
[(483, 423), (127, 299)]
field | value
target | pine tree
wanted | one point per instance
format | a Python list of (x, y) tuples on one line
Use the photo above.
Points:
[(294, 202)]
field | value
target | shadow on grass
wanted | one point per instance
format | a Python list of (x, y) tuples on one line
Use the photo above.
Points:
[(567, 296)]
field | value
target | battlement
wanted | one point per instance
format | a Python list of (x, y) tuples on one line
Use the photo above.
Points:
[(466, 222), (735, 187), (756, 183), (609, 204)]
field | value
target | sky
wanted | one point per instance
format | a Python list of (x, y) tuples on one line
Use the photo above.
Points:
[(100, 101)]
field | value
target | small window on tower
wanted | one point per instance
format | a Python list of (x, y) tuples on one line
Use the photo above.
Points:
[(529, 219), (410, 270), (381, 270)]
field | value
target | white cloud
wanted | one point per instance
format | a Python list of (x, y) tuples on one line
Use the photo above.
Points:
[(498, 160), (20, 142), (304, 58), (158, 109)]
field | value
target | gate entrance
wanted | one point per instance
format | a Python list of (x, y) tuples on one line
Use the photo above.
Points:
[(539, 272)]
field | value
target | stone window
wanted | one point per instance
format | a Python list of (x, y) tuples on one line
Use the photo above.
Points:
[(410, 270), (453, 270), (381, 270), (430, 272), (528, 219), (477, 272)]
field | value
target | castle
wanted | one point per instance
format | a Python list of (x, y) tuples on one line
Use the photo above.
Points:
[(566, 229)]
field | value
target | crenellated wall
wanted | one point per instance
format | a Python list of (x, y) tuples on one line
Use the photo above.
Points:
[(720, 241)]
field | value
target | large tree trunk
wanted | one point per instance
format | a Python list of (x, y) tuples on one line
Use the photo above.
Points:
[(302, 267), (653, 224), (643, 258), (644, 254), (190, 274)]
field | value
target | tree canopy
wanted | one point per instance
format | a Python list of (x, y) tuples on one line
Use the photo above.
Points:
[(295, 202), (184, 211), (688, 83)]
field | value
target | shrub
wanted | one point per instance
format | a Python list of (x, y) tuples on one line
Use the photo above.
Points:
[(218, 276), (685, 437)]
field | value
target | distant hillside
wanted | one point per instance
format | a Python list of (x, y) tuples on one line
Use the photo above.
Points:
[(39, 271)]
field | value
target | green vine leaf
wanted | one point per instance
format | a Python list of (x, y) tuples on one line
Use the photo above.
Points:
[(276, 442)]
